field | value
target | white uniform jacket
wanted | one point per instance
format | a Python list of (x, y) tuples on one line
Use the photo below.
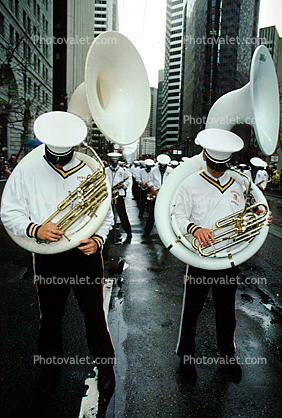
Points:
[(35, 192), (204, 200), (133, 171), (248, 173), (157, 179), (261, 178), (116, 176), (145, 177)]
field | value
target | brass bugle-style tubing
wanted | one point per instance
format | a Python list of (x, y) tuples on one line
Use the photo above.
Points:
[(73, 195), (247, 236), (70, 221), (243, 229), (84, 207)]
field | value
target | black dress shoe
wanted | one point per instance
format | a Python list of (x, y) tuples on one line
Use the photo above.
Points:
[(188, 370), (106, 381), (128, 237), (233, 370), (47, 381), (106, 387)]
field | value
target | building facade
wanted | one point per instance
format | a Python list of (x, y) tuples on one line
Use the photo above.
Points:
[(105, 16), (150, 129), (220, 37), (159, 111), (26, 63), (172, 74), (147, 147)]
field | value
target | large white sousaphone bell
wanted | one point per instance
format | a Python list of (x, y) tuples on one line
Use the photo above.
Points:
[(257, 104), (116, 89), (116, 94)]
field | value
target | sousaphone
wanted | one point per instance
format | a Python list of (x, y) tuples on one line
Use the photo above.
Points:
[(257, 104), (116, 94)]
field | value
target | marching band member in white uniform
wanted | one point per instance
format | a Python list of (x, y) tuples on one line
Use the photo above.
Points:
[(118, 176), (144, 179), (261, 176), (135, 172), (174, 164), (209, 196), (245, 170), (158, 177), (33, 195)]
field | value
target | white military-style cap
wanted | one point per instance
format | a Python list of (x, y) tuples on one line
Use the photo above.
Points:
[(149, 162), (114, 156), (174, 163), (185, 159), (60, 131), (163, 159), (258, 162), (219, 144)]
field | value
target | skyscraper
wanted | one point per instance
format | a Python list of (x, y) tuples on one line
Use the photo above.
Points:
[(105, 16), (172, 74), (159, 111), (77, 23), (220, 37)]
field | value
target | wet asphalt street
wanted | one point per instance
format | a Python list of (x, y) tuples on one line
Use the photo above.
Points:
[(143, 318)]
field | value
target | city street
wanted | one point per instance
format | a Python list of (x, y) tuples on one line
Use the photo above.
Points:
[(144, 315)]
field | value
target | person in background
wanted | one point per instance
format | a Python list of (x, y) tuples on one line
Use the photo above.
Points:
[(12, 162), (158, 176), (261, 176), (119, 182), (174, 164), (144, 178)]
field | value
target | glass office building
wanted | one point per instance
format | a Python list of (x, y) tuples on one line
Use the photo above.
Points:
[(219, 37)]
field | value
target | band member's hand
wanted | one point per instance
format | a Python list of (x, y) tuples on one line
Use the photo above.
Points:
[(144, 184), (89, 246), (204, 237), (49, 232), (153, 191), (269, 218), (120, 186)]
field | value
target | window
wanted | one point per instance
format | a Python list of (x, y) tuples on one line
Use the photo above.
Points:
[(24, 19), (17, 8), (17, 39), (1, 24), (12, 34), (28, 85)]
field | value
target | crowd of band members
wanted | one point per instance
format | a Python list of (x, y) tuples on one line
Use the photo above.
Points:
[(148, 177)]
